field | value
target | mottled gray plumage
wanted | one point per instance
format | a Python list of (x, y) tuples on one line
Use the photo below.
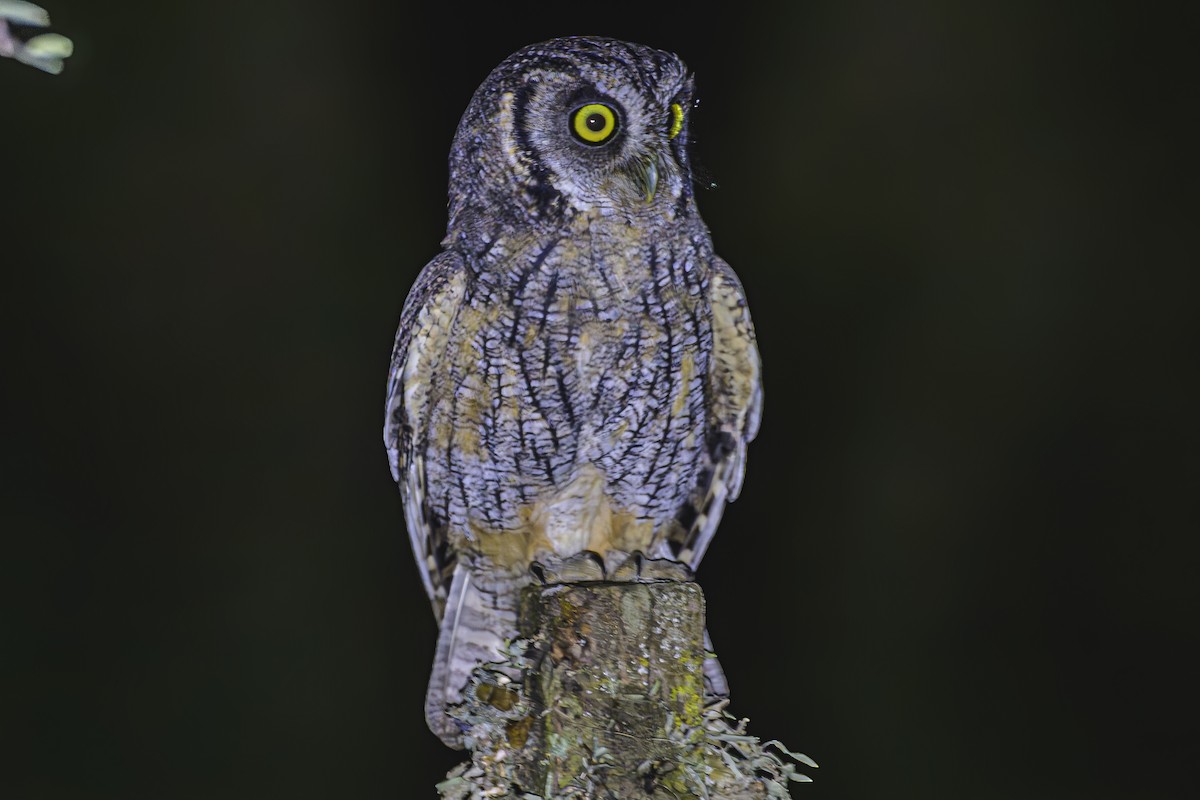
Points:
[(576, 371)]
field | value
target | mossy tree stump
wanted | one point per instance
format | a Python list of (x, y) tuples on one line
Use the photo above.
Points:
[(620, 683), (603, 697)]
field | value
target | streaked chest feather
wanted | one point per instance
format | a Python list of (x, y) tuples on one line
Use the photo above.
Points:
[(569, 402)]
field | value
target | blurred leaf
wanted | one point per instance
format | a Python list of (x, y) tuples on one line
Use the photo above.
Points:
[(45, 51), (24, 13)]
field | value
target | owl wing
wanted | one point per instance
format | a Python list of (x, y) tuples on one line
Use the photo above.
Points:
[(421, 342), (735, 405)]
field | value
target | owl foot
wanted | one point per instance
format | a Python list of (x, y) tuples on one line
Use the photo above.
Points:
[(589, 566), (637, 568), (579, 568)]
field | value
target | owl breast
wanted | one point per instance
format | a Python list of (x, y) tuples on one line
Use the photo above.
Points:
[(573, 412)]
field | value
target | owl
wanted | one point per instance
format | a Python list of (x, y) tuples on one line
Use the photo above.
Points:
[(575, 378)]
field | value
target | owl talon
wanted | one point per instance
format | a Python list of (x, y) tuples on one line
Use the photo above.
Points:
[(630, 569), (579, 568), (665, 569), (637, 568)]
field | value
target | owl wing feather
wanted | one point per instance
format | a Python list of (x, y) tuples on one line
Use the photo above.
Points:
[(421, 342), (735, 407)]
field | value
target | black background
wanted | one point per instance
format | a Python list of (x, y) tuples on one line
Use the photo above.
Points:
[(963, 564)]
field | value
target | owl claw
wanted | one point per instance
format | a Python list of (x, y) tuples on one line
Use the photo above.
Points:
[(640, 569), (579, 568), (630, 570)]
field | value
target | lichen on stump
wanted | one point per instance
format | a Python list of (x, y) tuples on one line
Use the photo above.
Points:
[(608, 701)]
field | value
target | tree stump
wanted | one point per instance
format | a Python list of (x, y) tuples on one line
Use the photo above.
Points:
[(603, 696)]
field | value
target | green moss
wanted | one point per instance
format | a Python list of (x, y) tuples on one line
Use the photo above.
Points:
[(689, 705)]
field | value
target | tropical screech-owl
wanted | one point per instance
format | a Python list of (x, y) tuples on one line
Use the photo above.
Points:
[(575, 378)]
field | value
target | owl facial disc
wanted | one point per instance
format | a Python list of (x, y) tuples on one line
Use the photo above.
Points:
[(582, 125)]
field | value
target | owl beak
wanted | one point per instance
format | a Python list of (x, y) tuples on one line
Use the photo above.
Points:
[(645, 177), (651, 178)]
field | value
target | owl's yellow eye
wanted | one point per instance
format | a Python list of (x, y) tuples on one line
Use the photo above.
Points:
[(676, 120), (594, 123)]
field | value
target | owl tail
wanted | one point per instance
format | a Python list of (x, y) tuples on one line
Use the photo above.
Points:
[(715, 685), (481, 614)]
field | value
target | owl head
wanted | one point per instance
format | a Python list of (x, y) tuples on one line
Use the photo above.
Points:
[(574, 125)]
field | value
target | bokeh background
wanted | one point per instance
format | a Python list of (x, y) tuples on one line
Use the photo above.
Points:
[(964, 562)]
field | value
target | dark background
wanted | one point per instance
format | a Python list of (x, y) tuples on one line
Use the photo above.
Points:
[(963, 564)]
